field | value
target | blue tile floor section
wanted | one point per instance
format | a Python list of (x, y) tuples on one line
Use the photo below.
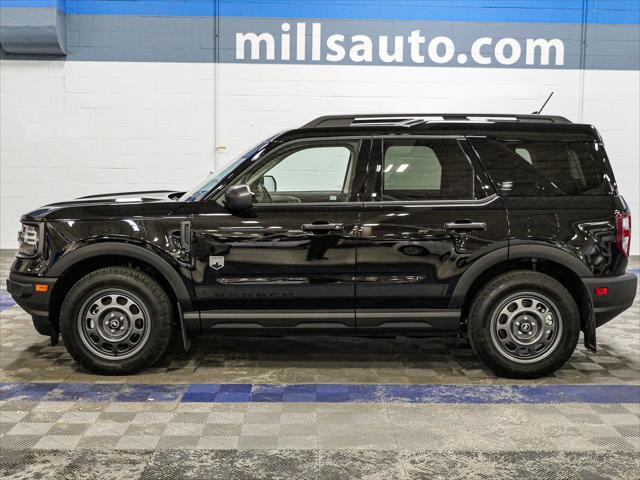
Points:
[(332, 393), (6, 301)]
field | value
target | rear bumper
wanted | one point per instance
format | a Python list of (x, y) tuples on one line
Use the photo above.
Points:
[(36, 303), (622, 291)]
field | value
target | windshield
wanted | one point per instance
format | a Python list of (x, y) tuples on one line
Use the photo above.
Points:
[(200, 190)]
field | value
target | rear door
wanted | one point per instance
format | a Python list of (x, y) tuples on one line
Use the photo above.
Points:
[(431, 213)]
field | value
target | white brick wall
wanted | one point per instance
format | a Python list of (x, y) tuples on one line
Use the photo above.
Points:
[(77, 128)]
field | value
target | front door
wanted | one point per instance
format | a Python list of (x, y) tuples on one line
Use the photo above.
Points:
[(431, 213), (289, 261)]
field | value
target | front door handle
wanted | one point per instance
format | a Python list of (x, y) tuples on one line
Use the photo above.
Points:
[(323, 227), (465, 225)]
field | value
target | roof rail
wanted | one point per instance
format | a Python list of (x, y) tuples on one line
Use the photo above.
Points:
[(411, 119)]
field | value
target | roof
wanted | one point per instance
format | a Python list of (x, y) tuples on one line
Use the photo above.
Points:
[(414, 119), (509, 125)]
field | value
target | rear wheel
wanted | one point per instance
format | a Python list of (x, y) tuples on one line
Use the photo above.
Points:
[(524, 324), (116, 320)]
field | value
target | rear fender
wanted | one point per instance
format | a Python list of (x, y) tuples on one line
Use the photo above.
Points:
[(532, 251)]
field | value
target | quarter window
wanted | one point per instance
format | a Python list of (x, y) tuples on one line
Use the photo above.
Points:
[(418, 169), (533, 167)]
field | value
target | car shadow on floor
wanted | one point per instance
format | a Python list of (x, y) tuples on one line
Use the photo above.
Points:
[(223, 358)]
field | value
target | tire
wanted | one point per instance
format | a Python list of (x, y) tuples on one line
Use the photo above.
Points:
[(524, 324), (116, 321)]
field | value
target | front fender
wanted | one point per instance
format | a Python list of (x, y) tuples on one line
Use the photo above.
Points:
[(168, 268)]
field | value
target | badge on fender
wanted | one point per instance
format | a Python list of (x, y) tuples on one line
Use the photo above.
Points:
[(216, 262)]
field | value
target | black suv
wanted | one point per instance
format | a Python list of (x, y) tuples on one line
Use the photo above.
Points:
[(508, 229)]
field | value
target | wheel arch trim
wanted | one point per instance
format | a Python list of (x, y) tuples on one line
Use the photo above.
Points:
[(478, 267), (552, 253), (514, 252), (123, 249)]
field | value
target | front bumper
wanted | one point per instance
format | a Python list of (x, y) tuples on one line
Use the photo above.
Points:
[(622, 291), (35, 302)]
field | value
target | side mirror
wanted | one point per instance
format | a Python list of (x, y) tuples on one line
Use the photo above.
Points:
[(238, 197), (270, 184)]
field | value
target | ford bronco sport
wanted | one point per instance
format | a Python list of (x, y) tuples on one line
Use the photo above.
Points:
[(508, 229)]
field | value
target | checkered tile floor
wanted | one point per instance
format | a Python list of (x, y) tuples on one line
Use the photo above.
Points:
[(169, 436), (397, 427)]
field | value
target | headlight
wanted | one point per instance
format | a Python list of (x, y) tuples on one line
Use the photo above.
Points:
[(29, 240)]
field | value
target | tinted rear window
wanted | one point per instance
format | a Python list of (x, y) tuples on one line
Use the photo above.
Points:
[(523, 168)]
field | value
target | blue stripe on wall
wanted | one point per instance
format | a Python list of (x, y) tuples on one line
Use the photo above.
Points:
[(6, 301), (529, 11), (341, 393)]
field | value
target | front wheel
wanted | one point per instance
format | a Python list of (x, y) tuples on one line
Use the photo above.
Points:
[(524, 324), (116, 320)]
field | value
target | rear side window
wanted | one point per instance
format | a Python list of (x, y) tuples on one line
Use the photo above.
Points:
[(529, 168), (419, 169)]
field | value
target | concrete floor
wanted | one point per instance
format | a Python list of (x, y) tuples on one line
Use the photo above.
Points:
[(317, 407)]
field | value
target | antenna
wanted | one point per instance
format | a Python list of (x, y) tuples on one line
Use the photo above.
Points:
[(538, 112)]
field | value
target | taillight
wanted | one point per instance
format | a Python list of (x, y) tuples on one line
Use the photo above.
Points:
[(623, 232)]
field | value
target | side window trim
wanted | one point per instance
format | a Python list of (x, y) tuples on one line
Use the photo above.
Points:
[(442, 202), (364, 142)]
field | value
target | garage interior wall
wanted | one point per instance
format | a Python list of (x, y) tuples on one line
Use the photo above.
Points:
[(154, 94)]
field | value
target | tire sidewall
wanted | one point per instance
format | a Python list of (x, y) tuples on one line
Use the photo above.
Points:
[(144, 288), (484, 308)]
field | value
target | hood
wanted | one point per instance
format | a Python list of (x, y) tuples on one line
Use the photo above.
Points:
[(109, 205), (128, 197)]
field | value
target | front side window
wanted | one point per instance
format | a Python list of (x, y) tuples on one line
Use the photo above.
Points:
[(317, 171), (423, 169)]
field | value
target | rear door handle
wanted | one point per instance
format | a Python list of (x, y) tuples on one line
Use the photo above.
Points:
[(465, 225), (324, 227)]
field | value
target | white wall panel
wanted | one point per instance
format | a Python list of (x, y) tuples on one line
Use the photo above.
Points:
[(76, 128)]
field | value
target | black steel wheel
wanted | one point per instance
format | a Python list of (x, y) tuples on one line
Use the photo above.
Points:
[(524, 324), (116, 320), (114, 323), (526, 327)]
